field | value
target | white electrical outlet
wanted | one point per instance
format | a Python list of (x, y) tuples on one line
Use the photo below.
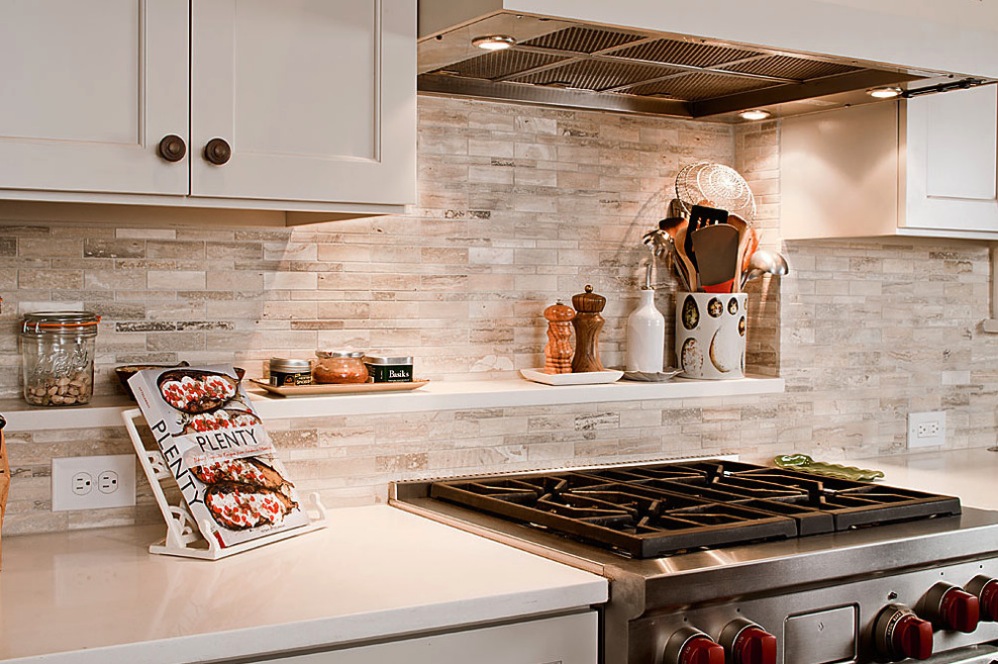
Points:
[(82, 483), (107, 481), (94, 482), (926, 429)]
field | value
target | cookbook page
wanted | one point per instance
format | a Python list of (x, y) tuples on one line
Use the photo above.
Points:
[(218, 451)]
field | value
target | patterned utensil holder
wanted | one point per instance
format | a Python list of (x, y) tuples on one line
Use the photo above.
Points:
[(710, 335)]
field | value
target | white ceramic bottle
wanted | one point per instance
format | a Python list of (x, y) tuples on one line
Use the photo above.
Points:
[(645, 333)]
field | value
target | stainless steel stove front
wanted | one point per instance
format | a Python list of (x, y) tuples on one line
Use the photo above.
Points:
[(818, 623), (819, 597)]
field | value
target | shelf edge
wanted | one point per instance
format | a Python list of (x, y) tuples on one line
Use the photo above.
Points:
[(442, 395)]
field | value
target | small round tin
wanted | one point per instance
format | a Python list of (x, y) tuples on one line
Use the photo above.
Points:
[(285, 372), (388, 369)]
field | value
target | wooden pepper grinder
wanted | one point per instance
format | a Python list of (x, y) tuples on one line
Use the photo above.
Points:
[(588, 324), (558, 351)]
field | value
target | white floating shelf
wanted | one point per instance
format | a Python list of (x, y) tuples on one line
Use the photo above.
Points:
[(436, 395)]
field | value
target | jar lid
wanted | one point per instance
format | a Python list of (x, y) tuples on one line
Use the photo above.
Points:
[(56, 322), (385, 359), (339, 353), (288, 363)]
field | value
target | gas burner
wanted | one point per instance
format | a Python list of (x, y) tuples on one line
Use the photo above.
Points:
[(656, 510)]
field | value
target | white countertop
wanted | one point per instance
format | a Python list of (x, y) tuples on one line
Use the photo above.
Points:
[(99, 597), (442, 395), (971, 475)]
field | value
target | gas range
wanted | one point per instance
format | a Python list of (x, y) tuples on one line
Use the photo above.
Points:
[(720, 561)]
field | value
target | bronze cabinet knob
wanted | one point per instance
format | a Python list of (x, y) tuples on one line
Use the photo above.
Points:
[(217, 151), (172, 148)]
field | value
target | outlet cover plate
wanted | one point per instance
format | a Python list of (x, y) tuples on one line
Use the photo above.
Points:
[(66, 468), (926, 429)]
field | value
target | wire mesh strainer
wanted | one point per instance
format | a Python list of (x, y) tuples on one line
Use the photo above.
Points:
[(718, 184)]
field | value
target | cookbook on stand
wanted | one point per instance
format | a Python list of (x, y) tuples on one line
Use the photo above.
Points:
[(217, 449)]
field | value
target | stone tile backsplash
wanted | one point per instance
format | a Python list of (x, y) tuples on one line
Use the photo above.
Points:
[(518, 206)]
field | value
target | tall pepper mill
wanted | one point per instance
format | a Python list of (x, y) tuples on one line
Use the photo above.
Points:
[(558, 351), (587, 322)]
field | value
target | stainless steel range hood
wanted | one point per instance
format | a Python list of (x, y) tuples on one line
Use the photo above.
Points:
[(723, 59)]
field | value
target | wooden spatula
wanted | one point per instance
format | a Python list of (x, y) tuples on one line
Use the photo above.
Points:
[(747, 236)]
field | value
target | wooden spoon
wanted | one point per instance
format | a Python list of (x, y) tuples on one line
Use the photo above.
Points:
[(685, 265)]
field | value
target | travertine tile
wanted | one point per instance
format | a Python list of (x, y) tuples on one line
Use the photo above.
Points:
[(518, 206)]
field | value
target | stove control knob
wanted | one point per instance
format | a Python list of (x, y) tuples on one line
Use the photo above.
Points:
[(899, 633), (985, 589), (748, 643), (951, 608), (691, 646)]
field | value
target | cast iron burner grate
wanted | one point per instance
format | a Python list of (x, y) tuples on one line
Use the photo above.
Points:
[(656, 510)]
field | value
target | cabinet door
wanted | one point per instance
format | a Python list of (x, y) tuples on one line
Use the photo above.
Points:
[(315, 99), (565, 640), (952, 161), (89, 89)]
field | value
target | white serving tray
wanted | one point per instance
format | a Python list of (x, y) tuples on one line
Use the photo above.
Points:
[(584, 378)]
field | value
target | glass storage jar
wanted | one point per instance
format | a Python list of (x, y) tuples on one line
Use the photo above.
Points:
[(340, 366), (57, 350)]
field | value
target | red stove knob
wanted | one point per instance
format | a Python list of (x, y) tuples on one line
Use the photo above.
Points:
[(754, 646), (691, 646), (701, 650), (748, 643), (913, 637), (985, 589), (960, 610), (952, 608), (899, 633)]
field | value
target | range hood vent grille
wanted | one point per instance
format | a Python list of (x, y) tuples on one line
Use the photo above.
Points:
[(565, 63), (694, 87), (795, 69), (685, 53), (583, 40), (501, 65), (595, 75)]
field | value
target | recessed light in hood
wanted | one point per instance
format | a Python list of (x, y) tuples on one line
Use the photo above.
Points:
[(567, 63), (493, 42), (886, 92)]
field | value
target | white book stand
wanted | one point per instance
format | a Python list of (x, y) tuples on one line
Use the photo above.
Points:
[(183, 537)]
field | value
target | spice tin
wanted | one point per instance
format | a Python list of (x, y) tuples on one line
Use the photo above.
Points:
[(384, 369), (284, 371)]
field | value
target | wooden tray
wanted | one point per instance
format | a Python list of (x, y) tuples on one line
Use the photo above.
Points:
[(337, 388)]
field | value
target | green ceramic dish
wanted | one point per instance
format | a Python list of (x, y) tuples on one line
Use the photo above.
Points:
[(805, 464)]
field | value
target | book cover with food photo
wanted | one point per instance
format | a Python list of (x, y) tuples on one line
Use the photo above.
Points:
[(217, 449)]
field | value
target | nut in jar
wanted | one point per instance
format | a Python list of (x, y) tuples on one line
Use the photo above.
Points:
[(57, 351)]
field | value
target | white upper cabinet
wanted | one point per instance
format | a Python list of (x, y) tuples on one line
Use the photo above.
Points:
[(952, 161), (294, 105), (927, 166), (88, 91), (308, 95)]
